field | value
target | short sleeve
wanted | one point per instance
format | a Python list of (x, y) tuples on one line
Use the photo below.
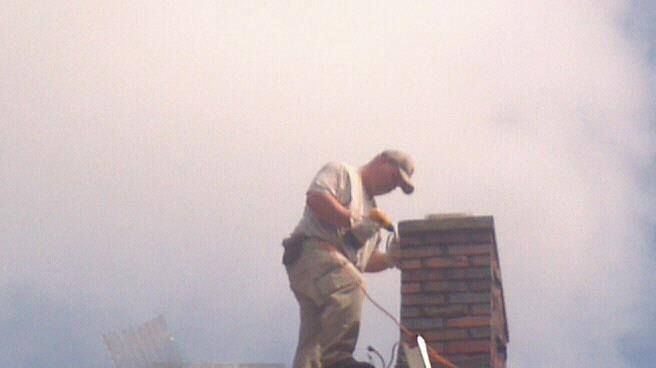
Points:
[(332, 179)]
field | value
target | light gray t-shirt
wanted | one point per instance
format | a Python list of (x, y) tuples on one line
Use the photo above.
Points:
[(344, 183)]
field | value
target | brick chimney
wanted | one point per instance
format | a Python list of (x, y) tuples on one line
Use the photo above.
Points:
[(451, 290)]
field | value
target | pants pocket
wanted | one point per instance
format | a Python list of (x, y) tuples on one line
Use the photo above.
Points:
[(333, 281)]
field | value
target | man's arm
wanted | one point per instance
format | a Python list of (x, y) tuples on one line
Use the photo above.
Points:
[(378, 261), (328, 209)]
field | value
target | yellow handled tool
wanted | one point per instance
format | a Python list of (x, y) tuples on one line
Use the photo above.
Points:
[(381, 218)]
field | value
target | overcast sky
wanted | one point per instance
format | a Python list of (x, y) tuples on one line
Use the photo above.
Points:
[(153, 155)]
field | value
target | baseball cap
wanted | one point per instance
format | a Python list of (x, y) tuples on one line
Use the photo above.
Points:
[(406, 168)]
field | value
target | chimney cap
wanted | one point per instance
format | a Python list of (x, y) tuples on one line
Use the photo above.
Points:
[(447, 222), (444, 216)]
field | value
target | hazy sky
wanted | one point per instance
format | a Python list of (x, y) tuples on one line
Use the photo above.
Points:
[(153, 155)]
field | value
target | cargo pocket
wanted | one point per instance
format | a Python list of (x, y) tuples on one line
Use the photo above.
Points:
[(333, 281)]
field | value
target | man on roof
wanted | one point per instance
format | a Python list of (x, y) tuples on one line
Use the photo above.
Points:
[(335, 240)]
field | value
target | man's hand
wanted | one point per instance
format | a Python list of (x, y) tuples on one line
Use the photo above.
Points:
[(393, 251), (380, 261)]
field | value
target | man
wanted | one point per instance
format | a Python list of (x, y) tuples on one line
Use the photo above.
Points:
[(333, 243)]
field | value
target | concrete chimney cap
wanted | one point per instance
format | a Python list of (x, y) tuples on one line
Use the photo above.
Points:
[(444, 216)]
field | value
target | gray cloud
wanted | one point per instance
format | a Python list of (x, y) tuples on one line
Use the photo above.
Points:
[(154, 154)]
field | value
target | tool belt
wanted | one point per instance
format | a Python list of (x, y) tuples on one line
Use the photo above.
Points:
[(293, 245)]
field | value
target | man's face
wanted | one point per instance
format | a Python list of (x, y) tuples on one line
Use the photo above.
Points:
[(385, 178)]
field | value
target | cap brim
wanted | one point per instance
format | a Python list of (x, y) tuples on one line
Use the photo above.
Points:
[(405, 184)]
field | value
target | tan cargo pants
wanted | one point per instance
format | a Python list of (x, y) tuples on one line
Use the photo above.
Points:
[(330, 303)]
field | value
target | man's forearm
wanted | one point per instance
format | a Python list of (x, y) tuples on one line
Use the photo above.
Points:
[(378, 261), (328, 209)]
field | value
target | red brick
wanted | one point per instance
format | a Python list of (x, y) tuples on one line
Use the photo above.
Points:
[(446, 274), (480, 309), (469, 322), (447, 285), (408, 240), (499, 361), (469, 297), (469, 249), (496, 272), (472, 361), (409, 312), (480, 332), (446, 262), (422, 251), (498, 330), (418, 275), (479, 285), (497, 301), (422, 299), (444, 335), (422, 324), (410, 264), (410, 288), (477, 273), (439, 347), (483, 260), (459, 237), (451, 310), (468, 347)]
